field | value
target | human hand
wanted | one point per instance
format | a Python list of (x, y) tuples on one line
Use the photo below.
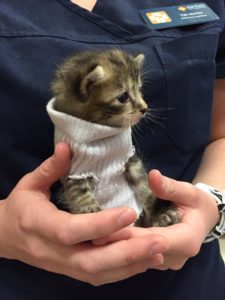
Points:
[(199, 215), (34, 231)]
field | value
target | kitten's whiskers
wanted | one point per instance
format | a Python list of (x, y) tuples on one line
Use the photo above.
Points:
[(149, 116)]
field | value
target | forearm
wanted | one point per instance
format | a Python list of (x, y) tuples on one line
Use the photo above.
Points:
[(212, 167)]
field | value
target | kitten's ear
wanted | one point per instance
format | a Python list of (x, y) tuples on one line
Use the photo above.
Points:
[(91, 79), (140, 59)]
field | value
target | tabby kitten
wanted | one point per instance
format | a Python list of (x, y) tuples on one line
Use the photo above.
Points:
[(97, 99)]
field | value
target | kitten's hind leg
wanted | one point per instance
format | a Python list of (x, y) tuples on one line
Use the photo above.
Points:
[(165, 213), (77, 196), (155, 212)]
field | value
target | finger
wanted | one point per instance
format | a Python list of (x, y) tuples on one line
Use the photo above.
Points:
[(49, 171), (126, 272), (174, 262), (122, 254), (182, 242), (163, 187), (180, 237), (83, 261), (175, 257), (160, 268), (68, 229), (124, 234)]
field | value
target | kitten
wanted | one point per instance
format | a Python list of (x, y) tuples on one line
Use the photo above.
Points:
[(97, 99)]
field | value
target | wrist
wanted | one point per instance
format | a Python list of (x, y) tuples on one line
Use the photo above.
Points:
[(218, 210)]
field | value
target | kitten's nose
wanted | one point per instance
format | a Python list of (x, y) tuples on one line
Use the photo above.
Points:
[(143, 110), (143, 106)]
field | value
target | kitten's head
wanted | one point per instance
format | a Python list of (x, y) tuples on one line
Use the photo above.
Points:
[(103, 87)]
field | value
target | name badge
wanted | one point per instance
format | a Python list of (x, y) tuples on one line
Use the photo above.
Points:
[(178, 15)]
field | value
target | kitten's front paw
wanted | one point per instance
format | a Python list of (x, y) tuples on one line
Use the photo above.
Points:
[(169, 217), (90, 208)]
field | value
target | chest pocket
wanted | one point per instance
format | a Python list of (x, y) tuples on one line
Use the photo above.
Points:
[(189, 69)]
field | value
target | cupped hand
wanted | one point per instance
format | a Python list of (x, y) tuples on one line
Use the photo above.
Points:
[(34, 231), (199, 215)]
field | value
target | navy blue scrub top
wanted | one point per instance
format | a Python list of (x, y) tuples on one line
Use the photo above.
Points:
[(181, 65)]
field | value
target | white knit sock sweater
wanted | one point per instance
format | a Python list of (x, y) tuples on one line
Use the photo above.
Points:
[(99, 152)]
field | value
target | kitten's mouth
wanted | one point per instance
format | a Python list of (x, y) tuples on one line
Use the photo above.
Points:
[(135, 118)]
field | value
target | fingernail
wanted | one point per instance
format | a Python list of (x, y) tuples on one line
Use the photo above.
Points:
[(156, 248), (127, 217), (156, 261), (159, 260), (162, 181), (56, 150)]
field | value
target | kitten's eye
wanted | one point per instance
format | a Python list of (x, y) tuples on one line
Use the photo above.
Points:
[(123, 98)]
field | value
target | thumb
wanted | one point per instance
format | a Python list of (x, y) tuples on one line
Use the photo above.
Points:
[(49, 171), (165, 188)]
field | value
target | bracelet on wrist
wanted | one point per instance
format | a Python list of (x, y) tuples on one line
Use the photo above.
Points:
[(219, 197)]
